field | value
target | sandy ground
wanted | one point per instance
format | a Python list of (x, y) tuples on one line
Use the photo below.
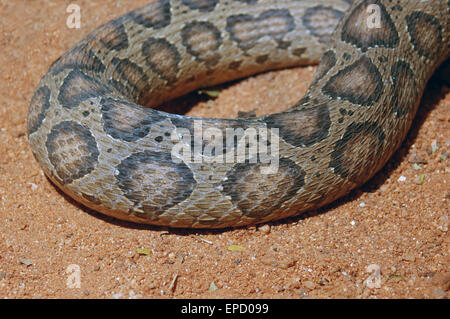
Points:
[(397, 223)]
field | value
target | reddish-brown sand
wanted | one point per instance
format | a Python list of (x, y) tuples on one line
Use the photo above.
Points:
[(398, 221)]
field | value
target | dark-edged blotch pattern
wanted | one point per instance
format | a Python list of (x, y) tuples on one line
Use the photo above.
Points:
[(321, 21), (201, 5), (132, 75), (155, 15), (154, 182), (258, 195), (162, 57), (403, 100), (425, 32), (39, 104), (202, 39), (127, 121), (72, 150), (246, 30), (359, 83), (303, 127), (361, 29), (78, 87), (361, 144)]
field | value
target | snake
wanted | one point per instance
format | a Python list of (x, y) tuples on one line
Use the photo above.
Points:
[(94, 127)]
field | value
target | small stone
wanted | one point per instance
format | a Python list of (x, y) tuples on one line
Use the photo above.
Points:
[(212, 286), (265, 229), (402, 178), (434, 146), (416, 159), (25, 261)]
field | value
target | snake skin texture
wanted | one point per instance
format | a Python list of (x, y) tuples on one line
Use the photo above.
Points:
[(92, 136)]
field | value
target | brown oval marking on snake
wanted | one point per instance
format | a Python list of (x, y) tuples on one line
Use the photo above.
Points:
[(78, 87), (230, 131), (127, 121), (155, 15), (162, 57), (72, 150), (347, 156), (153, 182), (132, 75), (402, 76), (115, 156), (359, 83), (235, 65), (418, 22), (40, 102), (202, 39), (201, 5), (321, 21), (247, 30), (359, 31), (246, 186), (303, 127)]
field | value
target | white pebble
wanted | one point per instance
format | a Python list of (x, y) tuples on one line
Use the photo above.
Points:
[(402, 178)]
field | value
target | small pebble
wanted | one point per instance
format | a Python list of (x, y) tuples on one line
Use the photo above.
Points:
[(416, 159), (265, 229), (25, 261), (434, 146), (402, 178), (212, 286)]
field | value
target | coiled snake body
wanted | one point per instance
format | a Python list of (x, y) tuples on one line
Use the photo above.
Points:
[(93, 139)]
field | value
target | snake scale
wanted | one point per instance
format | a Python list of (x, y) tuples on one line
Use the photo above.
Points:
[(92, 136)]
